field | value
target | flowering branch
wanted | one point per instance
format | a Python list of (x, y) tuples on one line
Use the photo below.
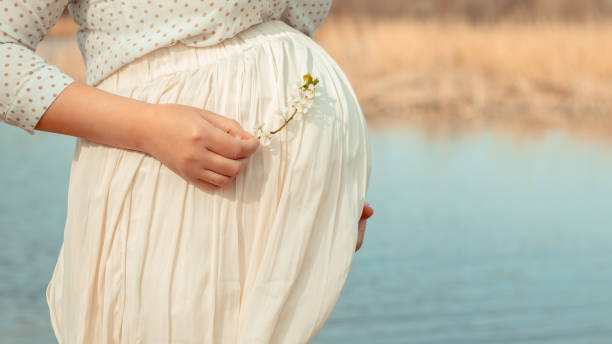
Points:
[(300, 103), (285, 124)]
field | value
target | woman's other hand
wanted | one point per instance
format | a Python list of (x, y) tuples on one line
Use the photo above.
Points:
[(366, 213), (204, 148)]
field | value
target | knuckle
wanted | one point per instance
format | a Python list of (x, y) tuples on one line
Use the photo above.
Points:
[(243, 164), (244, 150), (252, 148), (217, 179), (236, 152), (187, 160), (209, 186), (183, 167), (236, 170), (197, 134)]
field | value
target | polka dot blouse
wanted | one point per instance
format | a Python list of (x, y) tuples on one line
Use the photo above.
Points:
[(113, 33)]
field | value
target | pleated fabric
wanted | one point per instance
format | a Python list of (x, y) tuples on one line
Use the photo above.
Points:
[(148, 257)]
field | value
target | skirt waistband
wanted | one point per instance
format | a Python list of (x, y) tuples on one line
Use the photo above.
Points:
[(171, 59)]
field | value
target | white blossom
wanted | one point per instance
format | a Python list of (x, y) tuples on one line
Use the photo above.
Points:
[(286, 112), (300, 103), (303, 105), (263, 132)]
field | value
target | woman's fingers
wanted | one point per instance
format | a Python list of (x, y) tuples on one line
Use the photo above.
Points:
[(205, 185), (225, 166), (229, 146), (367, 211), (228, 138), (204, 148), (360, 235), (238, 132), (230, 126), (215, 178), (217, 172)]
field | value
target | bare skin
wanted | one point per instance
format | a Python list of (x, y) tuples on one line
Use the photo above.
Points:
[(174, 134), (365, 215)]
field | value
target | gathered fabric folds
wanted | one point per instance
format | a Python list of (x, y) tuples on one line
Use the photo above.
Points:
[(150, 258)]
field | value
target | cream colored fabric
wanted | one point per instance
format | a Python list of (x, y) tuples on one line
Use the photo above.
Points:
[(150, 258)]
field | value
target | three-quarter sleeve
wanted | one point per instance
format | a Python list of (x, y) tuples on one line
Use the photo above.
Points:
[(30, 84)]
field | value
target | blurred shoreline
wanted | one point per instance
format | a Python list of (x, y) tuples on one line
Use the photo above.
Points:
[(454, 77), (477, 11), (458, 69)]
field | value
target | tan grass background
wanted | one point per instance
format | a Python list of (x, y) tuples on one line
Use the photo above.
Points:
[(455, 66)]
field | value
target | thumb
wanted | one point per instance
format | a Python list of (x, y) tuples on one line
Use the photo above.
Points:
[(230, 126), (240, 133), (251, 143)]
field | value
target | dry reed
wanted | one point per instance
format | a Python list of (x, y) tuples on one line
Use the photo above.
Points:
[(524, 77)]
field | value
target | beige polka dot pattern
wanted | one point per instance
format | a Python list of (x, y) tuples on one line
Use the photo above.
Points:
[(113, 33)]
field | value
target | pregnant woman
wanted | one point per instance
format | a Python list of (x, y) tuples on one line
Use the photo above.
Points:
[(182, 227)]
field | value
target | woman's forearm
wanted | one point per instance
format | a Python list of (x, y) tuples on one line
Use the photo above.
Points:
[(85, 111)]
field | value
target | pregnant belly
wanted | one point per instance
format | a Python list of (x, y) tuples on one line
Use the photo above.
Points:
[(282, 234), (250, 78)]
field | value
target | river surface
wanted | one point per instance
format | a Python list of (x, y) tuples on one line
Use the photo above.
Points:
[(475, 239)]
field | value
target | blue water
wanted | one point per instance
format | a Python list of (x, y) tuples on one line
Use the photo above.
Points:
[(475, 239)]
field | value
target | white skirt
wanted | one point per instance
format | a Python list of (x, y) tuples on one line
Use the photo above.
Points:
[(148, 257)]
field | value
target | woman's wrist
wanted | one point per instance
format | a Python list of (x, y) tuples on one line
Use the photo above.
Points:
[(145, 126), (99, 116)]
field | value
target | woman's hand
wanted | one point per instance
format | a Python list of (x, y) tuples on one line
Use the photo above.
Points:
[(366, 213), (204, 148)]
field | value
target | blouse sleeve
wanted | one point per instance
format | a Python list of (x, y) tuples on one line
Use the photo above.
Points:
[(30, 84), (306, 15)]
